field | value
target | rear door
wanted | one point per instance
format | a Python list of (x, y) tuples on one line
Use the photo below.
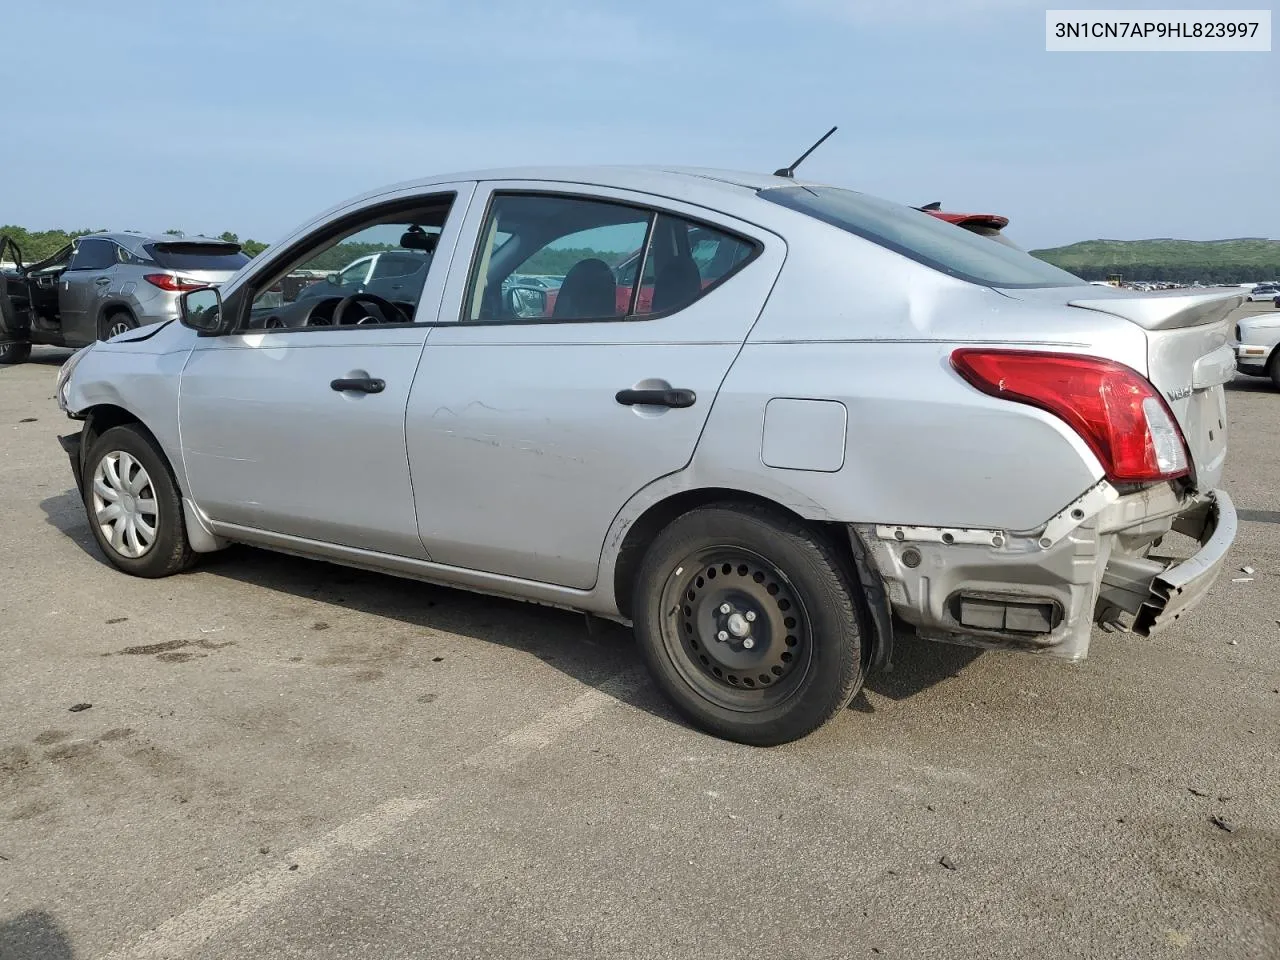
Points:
[(84, 283), (529, 429)]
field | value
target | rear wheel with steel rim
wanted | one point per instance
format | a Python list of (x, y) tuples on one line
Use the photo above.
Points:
[(750, 622), (133, 505)]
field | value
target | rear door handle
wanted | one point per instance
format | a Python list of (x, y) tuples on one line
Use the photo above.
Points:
[(101, 280), (358, 384), (657, 398)]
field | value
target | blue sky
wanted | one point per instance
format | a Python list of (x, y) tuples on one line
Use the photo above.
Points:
[(253, 116)]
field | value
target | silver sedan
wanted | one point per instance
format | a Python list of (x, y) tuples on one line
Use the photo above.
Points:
[(767, 422)]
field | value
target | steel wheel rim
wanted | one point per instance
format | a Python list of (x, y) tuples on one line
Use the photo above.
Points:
[(729, 672), (124, 505), (117, 328)]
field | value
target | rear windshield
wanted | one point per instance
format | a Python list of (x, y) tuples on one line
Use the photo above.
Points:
[(197, 256), (925, 239)]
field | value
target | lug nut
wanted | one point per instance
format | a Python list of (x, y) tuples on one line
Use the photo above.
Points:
[(725, 608), (722, 636), (751, 616), (748, 643)]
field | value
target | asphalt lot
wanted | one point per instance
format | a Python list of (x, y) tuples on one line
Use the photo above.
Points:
[(289, 759)]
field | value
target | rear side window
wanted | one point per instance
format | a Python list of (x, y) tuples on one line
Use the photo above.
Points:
[(93, 255), (196, 256), (547, 257), (923, 238)]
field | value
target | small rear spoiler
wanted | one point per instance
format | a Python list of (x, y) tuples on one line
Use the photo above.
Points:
[(195, 246), (1166, 311)]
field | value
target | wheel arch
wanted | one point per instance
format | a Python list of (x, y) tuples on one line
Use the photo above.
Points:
[(640, 533), (110, 308), (102, 417)]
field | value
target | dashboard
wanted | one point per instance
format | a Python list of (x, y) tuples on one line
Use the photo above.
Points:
[(360, 310)]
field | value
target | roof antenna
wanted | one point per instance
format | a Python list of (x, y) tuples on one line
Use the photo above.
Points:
[(936, 205), (790, 171)]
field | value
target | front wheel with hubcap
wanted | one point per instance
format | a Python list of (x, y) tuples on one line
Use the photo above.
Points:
[(750, 622), (133, 505)]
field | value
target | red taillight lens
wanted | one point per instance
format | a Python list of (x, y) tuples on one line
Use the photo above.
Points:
[(167, 281), (1112, 407)]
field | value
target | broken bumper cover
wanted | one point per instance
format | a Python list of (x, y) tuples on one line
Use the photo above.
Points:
[(72, 444), (1042, 591), (1177, 589)]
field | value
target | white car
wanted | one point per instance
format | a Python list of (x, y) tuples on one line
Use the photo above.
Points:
[(1264, 292)]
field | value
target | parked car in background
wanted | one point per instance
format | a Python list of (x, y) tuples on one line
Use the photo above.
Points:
[(393, 274), (1263, 292), (866, 417), (102, 285), (1257, 345), (984, 224)]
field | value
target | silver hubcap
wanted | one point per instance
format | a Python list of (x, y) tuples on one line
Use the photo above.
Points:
[(124, 504), (118, 328)]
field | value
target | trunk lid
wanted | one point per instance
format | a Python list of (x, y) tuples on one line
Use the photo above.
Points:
[(1189, 358)]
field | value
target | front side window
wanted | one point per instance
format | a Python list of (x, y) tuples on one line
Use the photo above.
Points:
[(93, 255), (565, 258), (921, 237), (338, 267)]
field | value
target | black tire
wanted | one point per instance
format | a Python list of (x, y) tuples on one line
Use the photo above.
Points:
[(806, 623), (168, 551), (1273, 368), (120, 319), (14, 352)]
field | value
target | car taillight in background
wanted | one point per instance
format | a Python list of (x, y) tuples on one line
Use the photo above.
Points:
[(167, 281), (1113, 408)]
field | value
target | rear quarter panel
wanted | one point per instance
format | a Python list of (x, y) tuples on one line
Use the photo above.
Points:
[(851, 322)]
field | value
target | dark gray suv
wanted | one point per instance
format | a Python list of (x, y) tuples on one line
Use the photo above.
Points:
[(102, 285)]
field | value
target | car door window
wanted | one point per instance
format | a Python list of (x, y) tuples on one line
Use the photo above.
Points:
[(307, 291), (355, 274), (556, 258), (93, 255), (391, 265)]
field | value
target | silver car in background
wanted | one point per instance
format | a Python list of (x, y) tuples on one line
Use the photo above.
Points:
[(869, 420), (105, 284)]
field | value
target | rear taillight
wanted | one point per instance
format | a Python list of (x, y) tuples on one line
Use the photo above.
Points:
[(167, 281), (1116, 411)]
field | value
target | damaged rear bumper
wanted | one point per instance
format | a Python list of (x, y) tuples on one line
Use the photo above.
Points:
[(1176, 589), (1042, 591)]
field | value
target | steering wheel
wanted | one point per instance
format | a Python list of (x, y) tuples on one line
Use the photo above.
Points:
[(387, 308)]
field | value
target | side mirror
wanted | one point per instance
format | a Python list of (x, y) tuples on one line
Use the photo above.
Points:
[(201, 310), (526, 302), (333, 279)]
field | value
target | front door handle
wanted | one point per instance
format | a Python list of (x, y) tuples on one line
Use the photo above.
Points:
[(358, 384), (657, 398), (101, 280)]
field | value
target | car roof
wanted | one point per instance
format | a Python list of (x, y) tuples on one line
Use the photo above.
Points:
[(133, 239), (646, 179)]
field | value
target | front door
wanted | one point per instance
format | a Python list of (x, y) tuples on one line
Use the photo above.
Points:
[(294, 424), (536, 416), (83, 285)]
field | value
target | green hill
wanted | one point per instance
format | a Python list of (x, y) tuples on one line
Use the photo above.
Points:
[(1180, 261)]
